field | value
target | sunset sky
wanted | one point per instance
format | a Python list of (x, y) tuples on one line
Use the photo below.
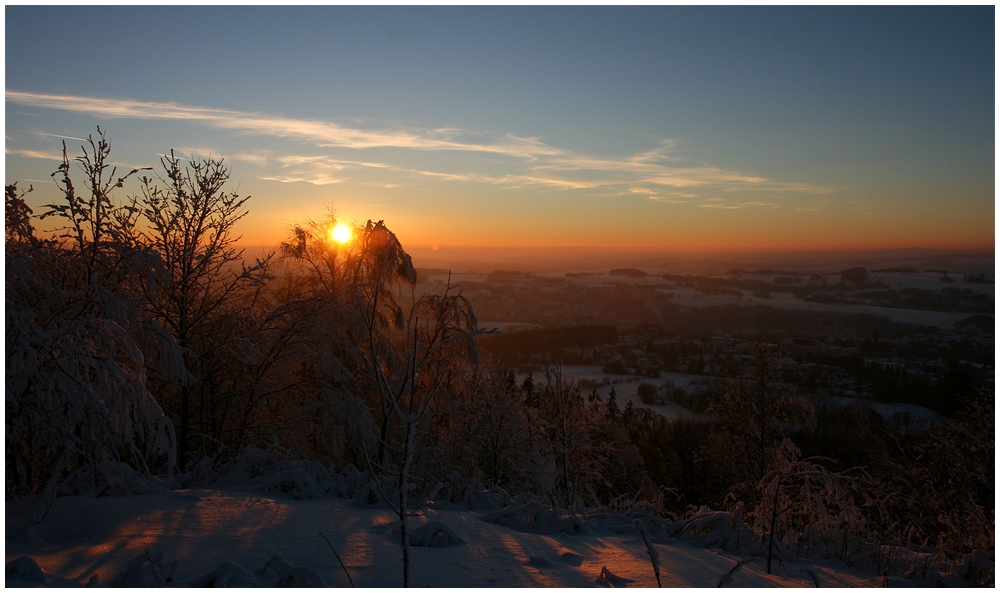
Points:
[(650, 127)]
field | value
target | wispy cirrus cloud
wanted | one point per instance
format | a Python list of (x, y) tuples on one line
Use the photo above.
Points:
[(313, 179), (661, 173), (320, 167), (259, 158), (35, 154), (738, 206), (653, 168), (660, 195), (549, 181), (325, 133)]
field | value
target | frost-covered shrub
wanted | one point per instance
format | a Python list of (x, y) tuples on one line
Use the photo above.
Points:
[(535, 517), (198, 475), (493, 499), (261, 471), (79, 352), (585, 454), (933, 502), (717, 529), (752, 406), (75, 382), (265, 472), (807, 510)]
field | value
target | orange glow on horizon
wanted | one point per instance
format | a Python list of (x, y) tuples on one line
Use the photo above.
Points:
[(445, 234), (415, 244)]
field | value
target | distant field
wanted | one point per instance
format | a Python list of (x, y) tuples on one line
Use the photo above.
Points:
[(691, 297), (626, 386)]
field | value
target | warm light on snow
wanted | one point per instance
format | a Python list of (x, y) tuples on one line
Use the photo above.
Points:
[(202, 528)]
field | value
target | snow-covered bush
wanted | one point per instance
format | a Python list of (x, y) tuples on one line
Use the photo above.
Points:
[(535, 517), (493, 499), (78, 352), (75, 393), (264, 472), (574, 452), (809, 511), (932, 501), (724, 530)]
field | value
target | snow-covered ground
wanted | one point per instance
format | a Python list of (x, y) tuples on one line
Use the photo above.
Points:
[(204, 529)]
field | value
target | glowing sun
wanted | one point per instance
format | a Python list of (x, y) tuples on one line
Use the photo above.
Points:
[(340, 233)]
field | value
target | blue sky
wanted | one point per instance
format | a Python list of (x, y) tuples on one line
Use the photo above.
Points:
[(654, 126)]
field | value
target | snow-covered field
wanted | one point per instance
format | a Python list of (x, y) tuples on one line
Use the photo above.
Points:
[(917, 417), (941, 319), (231, 536), (506, 326), (689, 297), (626, 388)]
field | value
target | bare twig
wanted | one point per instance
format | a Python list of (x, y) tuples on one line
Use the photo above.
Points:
[(728, 577), (378, 487), (653, 555), (349, 579)]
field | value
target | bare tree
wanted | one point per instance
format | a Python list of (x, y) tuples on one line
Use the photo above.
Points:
[(491, 422), (92, 216), (751, 407), (190, 220)]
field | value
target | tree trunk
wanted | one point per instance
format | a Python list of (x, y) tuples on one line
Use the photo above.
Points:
[(383, 435), (411, 426), (770, 543), (182, 440)]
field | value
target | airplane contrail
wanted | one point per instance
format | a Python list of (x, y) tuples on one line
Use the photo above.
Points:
[(176, 157), (67, 137)]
